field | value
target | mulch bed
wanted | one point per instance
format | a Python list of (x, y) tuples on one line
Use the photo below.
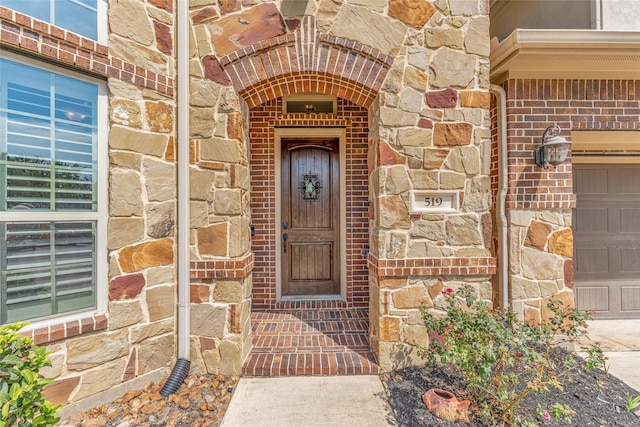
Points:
[(597, 399)]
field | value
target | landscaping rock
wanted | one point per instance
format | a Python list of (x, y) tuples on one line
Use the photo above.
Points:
[(201, 401)]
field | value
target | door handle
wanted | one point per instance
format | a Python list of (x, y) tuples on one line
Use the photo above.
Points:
[(285, 237)]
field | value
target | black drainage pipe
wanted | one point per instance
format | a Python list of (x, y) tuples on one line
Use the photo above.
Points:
[(177, 376)]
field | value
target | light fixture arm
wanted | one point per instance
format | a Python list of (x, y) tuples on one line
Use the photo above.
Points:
[(553, 130)]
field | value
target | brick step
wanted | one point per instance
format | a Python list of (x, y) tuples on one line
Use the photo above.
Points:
[(320, 314), (311, 327), (317, 339), (310, 363), (310, 342)]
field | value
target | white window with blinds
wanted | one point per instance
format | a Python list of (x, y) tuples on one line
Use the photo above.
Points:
[(53, 207)]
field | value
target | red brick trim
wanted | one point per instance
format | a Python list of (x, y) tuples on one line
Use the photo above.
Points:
[(451, 266), (47, 42), (60, 331), (315, 120), (298, 82), (220, 269), (307, 61)]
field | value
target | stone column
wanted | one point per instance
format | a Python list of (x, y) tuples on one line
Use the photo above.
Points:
[(220, 221), (429, 132)]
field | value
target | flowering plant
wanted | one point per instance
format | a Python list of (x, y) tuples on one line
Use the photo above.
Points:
[(502, 358)]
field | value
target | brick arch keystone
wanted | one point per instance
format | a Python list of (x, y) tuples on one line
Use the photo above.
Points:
[(304, 60)]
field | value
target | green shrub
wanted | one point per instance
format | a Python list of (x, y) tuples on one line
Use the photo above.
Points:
[(501, 358), (22, 403)]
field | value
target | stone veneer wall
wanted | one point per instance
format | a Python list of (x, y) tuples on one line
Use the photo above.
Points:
[(263, 120), (430, 131), (539, 201), (134, 340)]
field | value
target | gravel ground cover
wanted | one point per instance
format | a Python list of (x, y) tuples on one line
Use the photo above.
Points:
[(201, 402)]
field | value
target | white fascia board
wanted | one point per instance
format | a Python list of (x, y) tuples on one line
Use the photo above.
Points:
[(504, 55)]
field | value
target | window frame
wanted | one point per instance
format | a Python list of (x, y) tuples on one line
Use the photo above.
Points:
[(102, 35), (101, 215)]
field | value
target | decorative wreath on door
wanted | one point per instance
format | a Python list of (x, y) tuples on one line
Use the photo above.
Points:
[(310, 187)]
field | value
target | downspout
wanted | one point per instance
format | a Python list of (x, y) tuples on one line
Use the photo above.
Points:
[(503, 187), (181, 368)]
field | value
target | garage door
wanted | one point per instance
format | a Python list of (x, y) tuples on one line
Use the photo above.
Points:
[(606, 226)]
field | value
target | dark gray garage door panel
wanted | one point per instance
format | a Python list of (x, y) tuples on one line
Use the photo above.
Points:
[(606, 225)]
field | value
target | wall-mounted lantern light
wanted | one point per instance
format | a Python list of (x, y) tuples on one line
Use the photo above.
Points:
[(553, 150)]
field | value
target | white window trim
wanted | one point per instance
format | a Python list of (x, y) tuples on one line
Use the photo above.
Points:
[(103, 34), (101, 215)]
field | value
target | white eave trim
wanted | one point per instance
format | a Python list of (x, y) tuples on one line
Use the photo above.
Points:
[(566, 54)]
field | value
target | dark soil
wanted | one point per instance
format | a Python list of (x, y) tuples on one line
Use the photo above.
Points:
[(597, 399)]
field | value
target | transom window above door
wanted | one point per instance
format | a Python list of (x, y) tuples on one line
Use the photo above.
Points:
[(309, 103)]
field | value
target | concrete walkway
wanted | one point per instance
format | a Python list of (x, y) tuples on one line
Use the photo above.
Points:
[(357, 401), (620, 341)]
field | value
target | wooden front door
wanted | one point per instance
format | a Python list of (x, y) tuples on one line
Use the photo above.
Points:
[(310, 229)]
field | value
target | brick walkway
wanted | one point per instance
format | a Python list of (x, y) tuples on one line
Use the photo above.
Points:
[(310, 338)]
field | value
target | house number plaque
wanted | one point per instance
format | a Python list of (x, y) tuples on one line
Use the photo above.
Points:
[(434, 202)]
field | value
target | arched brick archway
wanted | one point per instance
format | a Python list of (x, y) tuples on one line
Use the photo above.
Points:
[(318, 82), (304, 60)]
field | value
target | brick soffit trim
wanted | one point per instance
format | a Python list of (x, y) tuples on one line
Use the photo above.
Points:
[(306, 60)]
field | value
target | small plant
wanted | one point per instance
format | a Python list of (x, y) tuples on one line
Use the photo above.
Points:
[(632, 402), (501, 358), (558, 412), (22, 403), (562, 412), (596, 358), (543, 413)]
